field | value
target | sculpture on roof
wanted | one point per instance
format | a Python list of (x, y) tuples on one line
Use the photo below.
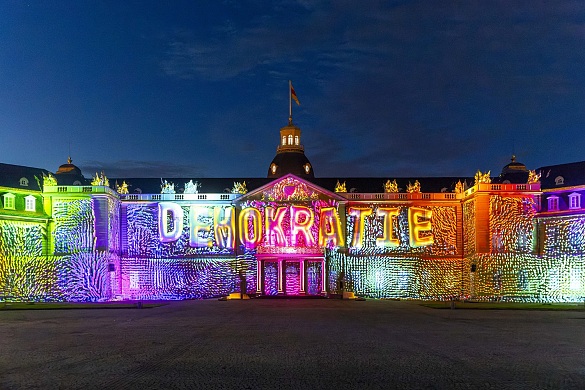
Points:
[(340, 187), (239, 188), (166, 187), (459, 187), (49, 180), (391, 186), (482, 178), (122, 189), (413, 188), (533, 177), (100, 180), (192, 188)]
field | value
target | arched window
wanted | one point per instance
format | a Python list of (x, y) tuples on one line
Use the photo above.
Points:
[(290, 140), (284, 140), (296, 139), (559, 180), (24, 181)]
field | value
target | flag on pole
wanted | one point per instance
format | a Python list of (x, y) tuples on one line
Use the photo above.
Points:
[(293, 94)]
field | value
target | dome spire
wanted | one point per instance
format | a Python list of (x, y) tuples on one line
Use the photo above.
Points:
[(290, 153)]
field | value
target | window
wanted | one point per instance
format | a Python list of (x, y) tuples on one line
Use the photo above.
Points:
[(284, 140), (290, 140), (30, 203), (9, 201), (296, 139), (559, 180), (553, 203), (575, 201), (497, 241), (24, 182), (537, 201)]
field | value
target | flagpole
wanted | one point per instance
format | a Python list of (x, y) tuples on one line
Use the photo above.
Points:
[(290, 101)]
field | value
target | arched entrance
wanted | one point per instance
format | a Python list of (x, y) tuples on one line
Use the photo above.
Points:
[(291, 275)]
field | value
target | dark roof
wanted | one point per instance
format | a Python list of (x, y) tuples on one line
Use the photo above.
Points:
[(573, 174), (224, 185), (208, 185), (10, 176), (376, 184), (290, 162)]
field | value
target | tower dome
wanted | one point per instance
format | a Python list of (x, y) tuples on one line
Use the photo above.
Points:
[(68, 169), (69, 174), (290, 155), (515, 172)]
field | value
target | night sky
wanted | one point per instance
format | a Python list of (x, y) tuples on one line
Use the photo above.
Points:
[(200, 89)]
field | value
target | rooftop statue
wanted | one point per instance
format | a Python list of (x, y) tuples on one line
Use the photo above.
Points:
[(49, 180), (413, 188), (533, 177), (192, 188), (482, 178), (391, 186), (239, 188), (122, 189), (100, 180), (166, 187), (340, 187)]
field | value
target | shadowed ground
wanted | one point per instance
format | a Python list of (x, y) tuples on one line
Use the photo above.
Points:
[(304, 344)]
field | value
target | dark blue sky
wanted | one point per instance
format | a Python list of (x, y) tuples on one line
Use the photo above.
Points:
[(200, 89)]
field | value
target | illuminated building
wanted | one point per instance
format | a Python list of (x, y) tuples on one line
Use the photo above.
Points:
[(65, 237)]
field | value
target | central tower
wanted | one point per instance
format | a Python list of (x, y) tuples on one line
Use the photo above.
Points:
[(290, 153)]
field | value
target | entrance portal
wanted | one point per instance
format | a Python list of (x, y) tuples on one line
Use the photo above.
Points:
[(291, 275)]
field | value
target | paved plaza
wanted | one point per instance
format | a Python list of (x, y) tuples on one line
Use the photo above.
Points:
[(291, 344)]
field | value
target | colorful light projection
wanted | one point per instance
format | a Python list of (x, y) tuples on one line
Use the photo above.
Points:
[(275, 228), (253, 227), (511, 223), (385, 229), (201, 221), (398, 277), (74, 225), (169, 229), (419, 226), (186, 278), (23, 239), (385, 242)]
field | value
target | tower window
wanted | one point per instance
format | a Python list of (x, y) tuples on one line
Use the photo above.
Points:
[(290, 140), (296, 139), (284, 140)]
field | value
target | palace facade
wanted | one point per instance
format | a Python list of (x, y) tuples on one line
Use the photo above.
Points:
[(519, 236)]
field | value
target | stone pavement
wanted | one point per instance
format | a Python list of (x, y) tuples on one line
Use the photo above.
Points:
[(291, 344)]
